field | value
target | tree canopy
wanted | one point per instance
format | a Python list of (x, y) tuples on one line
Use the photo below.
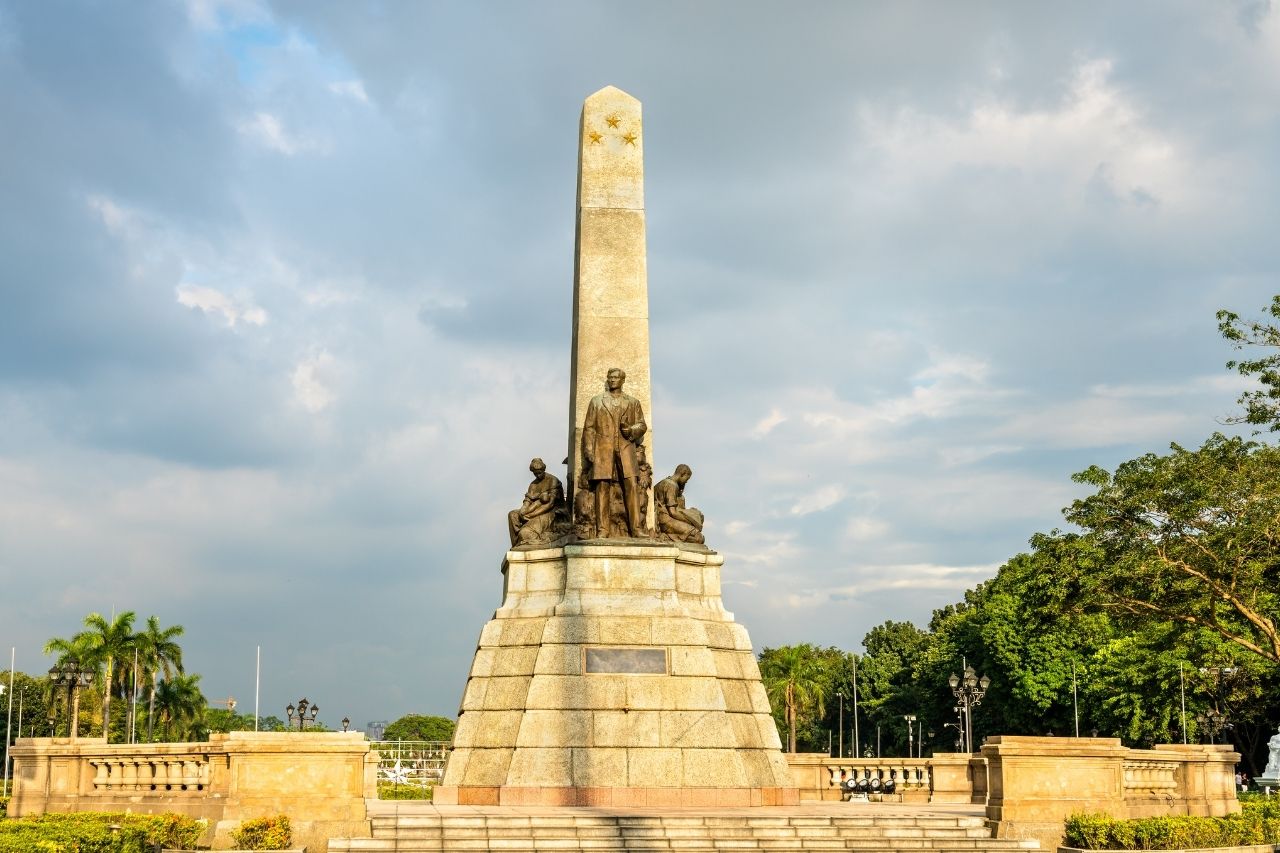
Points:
[(1261, 405), (420, 727)]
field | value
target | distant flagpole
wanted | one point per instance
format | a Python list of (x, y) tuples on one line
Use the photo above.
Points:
[(13, 651), (257, 684), (1182, 688), (1075, 702)]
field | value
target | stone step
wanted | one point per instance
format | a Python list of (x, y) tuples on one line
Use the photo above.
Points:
[(682, 832), (580, 831), (530, 845), (705, 842), (408, 821)]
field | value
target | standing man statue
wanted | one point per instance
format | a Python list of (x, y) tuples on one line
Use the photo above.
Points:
[(676, 521), (612, 437), (534, 523)]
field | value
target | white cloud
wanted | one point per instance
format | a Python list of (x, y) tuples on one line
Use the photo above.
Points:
[(118, 221), (269, 131), (353, 89), (907, 576), (862, 528), (1098, 421), (818, 500), (766, 424), (310, 378), (948, 387), (233, 310), (1096, 134), (214, 15)]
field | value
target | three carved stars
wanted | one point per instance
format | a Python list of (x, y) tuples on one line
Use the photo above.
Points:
[(614, 122), (595, 137)]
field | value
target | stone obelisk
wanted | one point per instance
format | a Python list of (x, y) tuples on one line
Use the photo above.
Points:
[(610, 279)]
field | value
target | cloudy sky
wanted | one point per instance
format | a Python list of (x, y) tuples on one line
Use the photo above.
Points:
[(285, 300)]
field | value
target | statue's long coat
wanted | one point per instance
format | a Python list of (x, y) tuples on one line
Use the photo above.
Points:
[(611, 454)]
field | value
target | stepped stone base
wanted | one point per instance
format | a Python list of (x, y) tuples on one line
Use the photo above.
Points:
[(426, 828), (612, 675)]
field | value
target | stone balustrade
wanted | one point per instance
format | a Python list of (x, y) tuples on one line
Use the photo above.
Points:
[(164, 775), (1029, 785), (1144, 774), (320, 780), (941, 778)]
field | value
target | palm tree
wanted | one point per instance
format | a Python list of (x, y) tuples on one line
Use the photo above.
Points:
[(158, 652), (110, 644), (180, 705), (793, 676)]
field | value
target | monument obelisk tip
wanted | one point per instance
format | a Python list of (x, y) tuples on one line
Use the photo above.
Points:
[(611, 92)]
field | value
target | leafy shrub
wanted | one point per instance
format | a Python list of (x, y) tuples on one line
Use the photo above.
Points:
[(392, 791), (1257, 823), (98, 832), (4, 806), (264, 833)]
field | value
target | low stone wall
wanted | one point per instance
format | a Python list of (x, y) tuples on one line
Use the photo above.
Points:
[(1037, 782), (319, 780), (1030, 785)]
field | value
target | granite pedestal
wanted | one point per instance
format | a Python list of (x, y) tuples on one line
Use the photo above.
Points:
[(612, 675)]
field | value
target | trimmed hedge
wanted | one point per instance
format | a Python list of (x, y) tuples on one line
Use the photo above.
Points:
[(98, 832), (1257, 823), (264, 833), (392, 791)]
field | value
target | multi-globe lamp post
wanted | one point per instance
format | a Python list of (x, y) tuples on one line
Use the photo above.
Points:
[(70, 675), (968, 690), (1212, 722), (305, 712)]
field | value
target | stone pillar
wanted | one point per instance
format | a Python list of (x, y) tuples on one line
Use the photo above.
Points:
[(951, 777), (1036, 782), (610, 279)]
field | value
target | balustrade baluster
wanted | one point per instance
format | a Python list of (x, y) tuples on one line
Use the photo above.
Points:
[(99, 772)]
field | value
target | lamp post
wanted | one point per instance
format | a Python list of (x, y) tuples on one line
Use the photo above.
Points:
[(1213, 722), (70, 675), (968, 690), (346, 723), (840, 749), (855, 704), (910, 718), (302, 713)]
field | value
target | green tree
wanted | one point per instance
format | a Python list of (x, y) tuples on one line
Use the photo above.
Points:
[(794, 678), (159, 654), (224, 720), (1261, 407), (30, 706), (420, 727), (1190, 537), (180, 707), (109, 644)]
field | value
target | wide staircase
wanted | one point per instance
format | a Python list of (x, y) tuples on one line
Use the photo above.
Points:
[(425, 830)]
